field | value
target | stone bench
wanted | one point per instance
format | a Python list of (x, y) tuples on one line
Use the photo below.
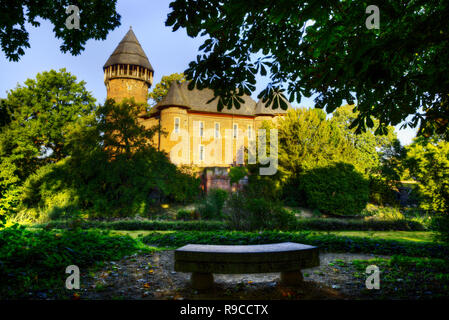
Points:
[(203, 261)]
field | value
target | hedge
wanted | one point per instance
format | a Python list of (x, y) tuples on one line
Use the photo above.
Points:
[(334, 224), (328, 224), (200, 225), (329, 243)]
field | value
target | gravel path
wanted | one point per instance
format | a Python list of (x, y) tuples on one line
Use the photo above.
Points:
[(151, 276)]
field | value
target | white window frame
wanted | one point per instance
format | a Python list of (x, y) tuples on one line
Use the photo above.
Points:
[(250, 132), (235, 133), (201, 129), (217, 133), (179, 125), (201, 155)]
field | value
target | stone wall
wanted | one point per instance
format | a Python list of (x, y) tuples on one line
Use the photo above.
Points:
[(218, 178), (121, 88)]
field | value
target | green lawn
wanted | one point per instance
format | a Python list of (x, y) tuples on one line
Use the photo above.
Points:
[(415, 236)]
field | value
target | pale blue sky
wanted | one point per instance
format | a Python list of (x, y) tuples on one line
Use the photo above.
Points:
[(168, 52)]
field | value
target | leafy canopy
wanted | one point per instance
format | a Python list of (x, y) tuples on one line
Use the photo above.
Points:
[(371, 148), (428, 162), (113, 170), (311, 47), (38, 115), (97, 18)]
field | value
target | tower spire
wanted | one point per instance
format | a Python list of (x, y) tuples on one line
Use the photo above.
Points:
[(129, 64)]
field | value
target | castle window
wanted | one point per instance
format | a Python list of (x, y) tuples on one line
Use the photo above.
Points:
[(250, 132), (236, 129), (217, 130), (176, 125), (201, 129), (201, 152)]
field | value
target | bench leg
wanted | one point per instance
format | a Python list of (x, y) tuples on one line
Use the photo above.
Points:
[(292, 278), (202, 281)]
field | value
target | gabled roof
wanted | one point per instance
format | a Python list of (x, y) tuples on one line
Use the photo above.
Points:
[(129, 51), (196, 100)]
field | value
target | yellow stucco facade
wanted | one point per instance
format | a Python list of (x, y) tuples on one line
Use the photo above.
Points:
[(205, 139), (192, 131)]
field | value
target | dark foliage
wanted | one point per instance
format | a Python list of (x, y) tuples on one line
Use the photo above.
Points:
[(97, 18), (311, 47)]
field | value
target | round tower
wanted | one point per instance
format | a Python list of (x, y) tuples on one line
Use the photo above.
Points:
[(128, 72)]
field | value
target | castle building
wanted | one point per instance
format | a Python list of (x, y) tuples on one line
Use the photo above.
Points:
[(195, 132)]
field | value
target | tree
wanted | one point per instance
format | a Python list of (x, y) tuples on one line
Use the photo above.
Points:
[(40, 112), (307, 47), (308, 140), (428, 162), (161, 89), (112, 170), (371, 148), (97, 18), (4, 114)]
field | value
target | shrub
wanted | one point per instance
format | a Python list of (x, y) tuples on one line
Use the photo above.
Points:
[(334, 224), (245, 213), (427, 275), (32, 260), (201, 225), (212, 206), (328, 224), (237, 173), (381, 192), (184, 215), (335, 189), (441, 225)]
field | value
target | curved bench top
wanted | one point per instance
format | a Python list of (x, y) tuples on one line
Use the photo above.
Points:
[(242, 249), (245, 258)]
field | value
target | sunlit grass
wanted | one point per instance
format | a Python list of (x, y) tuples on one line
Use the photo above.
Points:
[(415, 236)]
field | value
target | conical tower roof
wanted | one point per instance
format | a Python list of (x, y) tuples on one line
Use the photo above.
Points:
[(129, 51), (174, 97)]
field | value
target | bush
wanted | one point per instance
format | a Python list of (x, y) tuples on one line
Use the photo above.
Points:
[(328, 224), (333, 224), (381, 192), (427, 275), (212, 206), (336, 189), (246, 213), (237, 173), (201, 225), (35, 260), (441, 225), (184, 215)]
